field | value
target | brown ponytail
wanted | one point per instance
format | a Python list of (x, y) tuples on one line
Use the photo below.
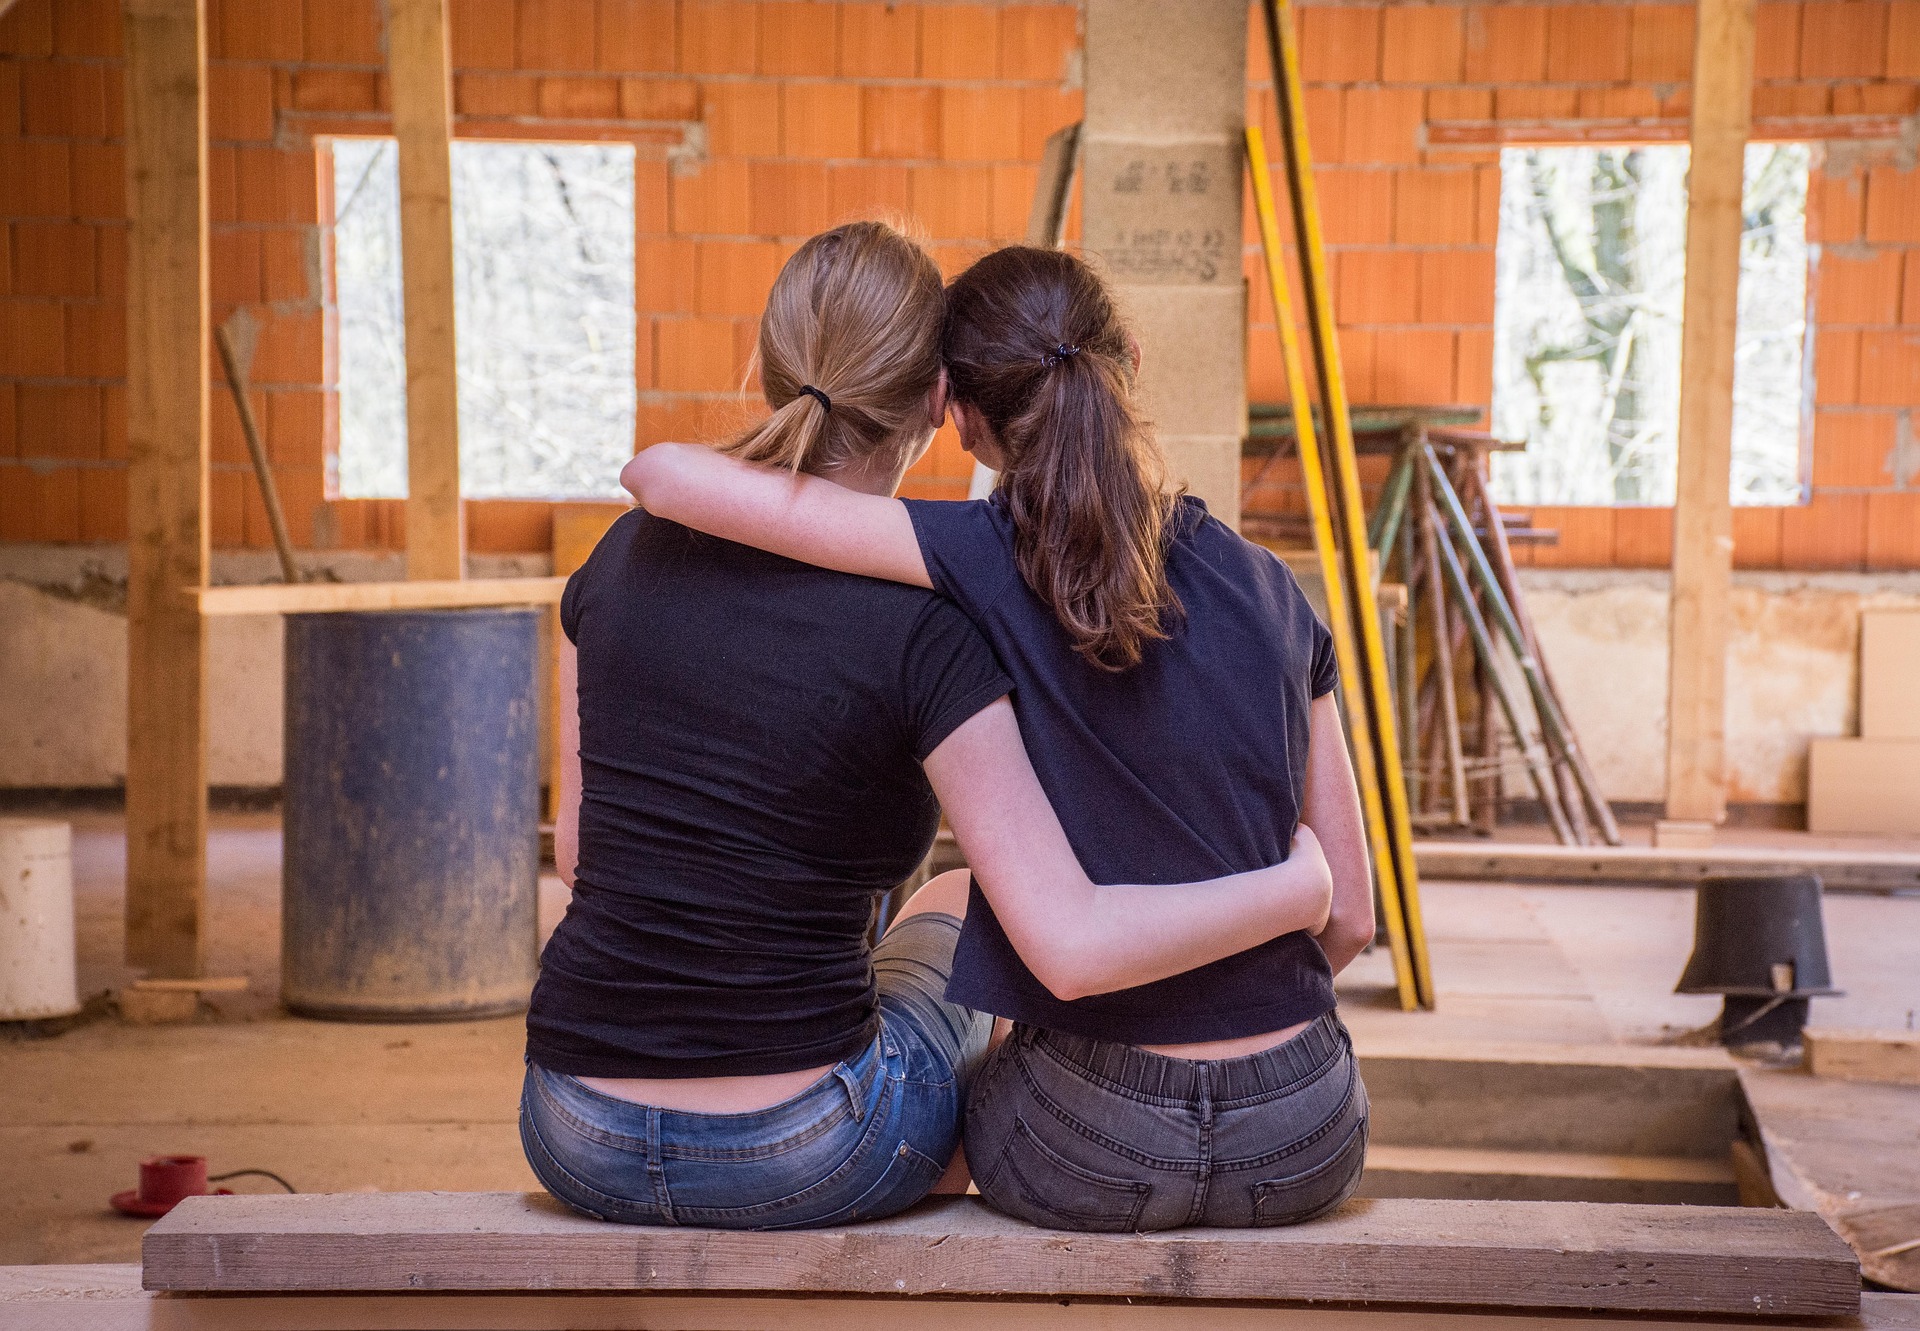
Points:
[(849, 349), (1034, 344)]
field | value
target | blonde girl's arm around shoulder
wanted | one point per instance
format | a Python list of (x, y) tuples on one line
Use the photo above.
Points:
[(1079, 937), (802, 517)]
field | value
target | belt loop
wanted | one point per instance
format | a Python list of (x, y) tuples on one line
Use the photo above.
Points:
[(852, 1085)]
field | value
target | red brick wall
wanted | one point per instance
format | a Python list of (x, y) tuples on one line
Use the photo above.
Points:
[(813, 111)]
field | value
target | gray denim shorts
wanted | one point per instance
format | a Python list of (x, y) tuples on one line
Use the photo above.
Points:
[(1073, 1133)]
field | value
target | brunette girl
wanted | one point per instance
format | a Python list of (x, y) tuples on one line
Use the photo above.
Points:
[(712, 1040), (1175, 691)]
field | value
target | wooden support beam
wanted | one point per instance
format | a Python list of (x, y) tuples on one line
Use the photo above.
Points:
[(418, 66), (1703, 508), (167, 402), (307, 598)]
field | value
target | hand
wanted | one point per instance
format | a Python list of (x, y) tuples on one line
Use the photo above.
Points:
[(1309, 859)]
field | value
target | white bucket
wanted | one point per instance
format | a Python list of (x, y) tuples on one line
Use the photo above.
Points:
[(36, 920)]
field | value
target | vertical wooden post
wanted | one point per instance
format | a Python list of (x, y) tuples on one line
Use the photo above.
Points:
[(418, 70), (167, 402), (1703, 512), (1161, 207)]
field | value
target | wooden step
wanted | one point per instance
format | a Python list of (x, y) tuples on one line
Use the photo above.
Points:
[(1401, 1251)]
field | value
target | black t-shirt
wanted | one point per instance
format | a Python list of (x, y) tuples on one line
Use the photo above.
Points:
[(751, 731), (1188, 766)]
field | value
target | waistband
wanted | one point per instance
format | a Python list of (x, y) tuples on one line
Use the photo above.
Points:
[(1189, 1081)]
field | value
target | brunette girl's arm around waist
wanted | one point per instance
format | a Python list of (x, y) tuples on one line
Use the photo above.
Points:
[(1079, 937), (1332, 809), (799, 516)]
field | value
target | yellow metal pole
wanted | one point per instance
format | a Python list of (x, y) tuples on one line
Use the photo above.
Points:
[(1345, 475), (1353, 692)]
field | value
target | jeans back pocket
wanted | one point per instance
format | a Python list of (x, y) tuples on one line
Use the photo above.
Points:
[(1314, 1191), (1033, 1181)]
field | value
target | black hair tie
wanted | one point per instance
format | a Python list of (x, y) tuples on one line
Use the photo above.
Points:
[(1060, 352), (826, 403)]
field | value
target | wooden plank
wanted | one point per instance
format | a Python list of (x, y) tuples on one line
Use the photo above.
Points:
[(422, 94), (1511, 1254), (167, 404), (308, 598), (109, 1298), (1445, 1171), (1888, 1056), (1703, 508), (1483, 861)]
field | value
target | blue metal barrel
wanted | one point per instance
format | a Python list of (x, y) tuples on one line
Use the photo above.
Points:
[(411, 868)]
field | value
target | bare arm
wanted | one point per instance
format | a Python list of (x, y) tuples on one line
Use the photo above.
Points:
[(1078, 937), (1332, 809), (566, 832), (802, 517)]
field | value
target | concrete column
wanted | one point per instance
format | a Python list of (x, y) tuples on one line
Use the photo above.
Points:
[(1162, 154)]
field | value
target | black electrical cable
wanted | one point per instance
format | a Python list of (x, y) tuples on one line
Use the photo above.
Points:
[(260, 1173)]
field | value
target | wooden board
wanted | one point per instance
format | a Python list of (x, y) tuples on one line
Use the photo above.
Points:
[(1864, 785), (422, 93), (1490, 861), (308, 598), (1703, 508), (1512, 1254), (1521, 1175), (1849, 1152), (1889, 663), (1888, 1056), (167, 457), (109, 1298)]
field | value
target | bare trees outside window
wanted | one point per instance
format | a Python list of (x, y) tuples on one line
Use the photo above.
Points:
[(1591, 264), (544, 316)]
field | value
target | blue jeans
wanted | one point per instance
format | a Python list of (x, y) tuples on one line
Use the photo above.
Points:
[(866, 1140)]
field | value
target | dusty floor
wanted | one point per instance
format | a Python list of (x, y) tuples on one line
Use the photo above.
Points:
[(336, 1107)]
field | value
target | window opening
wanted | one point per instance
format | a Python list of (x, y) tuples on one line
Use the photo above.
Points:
[(543, 318), (1591, 265)]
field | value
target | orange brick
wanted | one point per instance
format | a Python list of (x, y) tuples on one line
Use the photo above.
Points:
[(867, 191), (579, 98), (711, 200), (789, 199), (1756, 536), (1893, 205), (1589, 43), (1642, 537), (1037, 41), (979, 124), (54, 259), (1413, 365), (1536, 103), (1910, 298), (1421, 43), (1776, 41), (33, 337), (959, 42), (1377, 286), (719, 37), (496, 94), (1889, 369), (239, 102), (1456, 287), (651, 197), (1326, 127), (637, 36), (820, 120), (233, 266), (664, 275), (555, 35), (1585, 537), (1505, 44), (1356, 205), (52, 500), (1836, 368), (1486, 195), (290, 350), (743, 119), (901, 122), (9, 98), (65, 99), (1340, 44), (696, 355), (879, 41), (1459, 104), (1662, 49), (1903, 40), (296, 425), (1356, 347), (1619, 103), (954, 202), (1042, 111), (344, 32), (1473, 366), (340, 90), (659, 99), (1792, 99), (26, 29), (1854, 449), (1860, 290), (1828, 532), (1434, 207), (38, 180), (735, 276), (510, 526), (276, 186), (1893, 531), (103, 504), (1836, 207), (1013, 188), (59, 421), (799, 38), (86, 28), (97, 340), (643, 359), (481, 33), (289, 270), (227, 508), (9, 440), (1382, 124), (1843, 39), (1861, 99)]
